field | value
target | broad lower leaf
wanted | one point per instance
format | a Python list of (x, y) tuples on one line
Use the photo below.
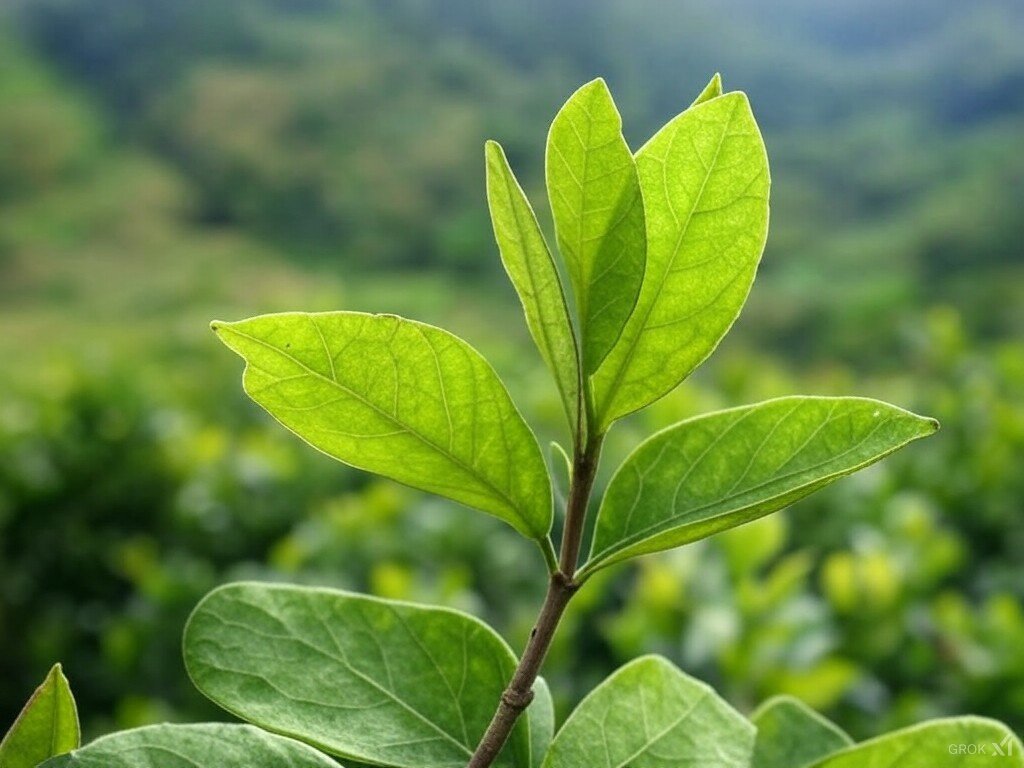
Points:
[(705, 184), (542, 721), (962, 742), (792, 735), (648, 714), (715, 472), (711, 91), (533, 273), (373, 680), (599, 215), (399, 398), (47, 726), (209, 745)]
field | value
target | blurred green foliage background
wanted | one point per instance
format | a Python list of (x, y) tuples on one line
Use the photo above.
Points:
[(165, 163)]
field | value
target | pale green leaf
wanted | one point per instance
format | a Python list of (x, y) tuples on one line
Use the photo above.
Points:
[(533, 273), (648, 714), (399, 398), (561, 472), (47, 726), (717, 471), (208, 745), (599, 215), (373, 680), (792, 735), (705, 184), (962, 742), (711, 91), (542, 721)]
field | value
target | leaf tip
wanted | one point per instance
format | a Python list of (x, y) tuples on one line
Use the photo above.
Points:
[(492, 149), (597, 87), (927, 425)]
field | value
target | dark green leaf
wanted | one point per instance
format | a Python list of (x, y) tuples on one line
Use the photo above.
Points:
[(209, 745), (374, 680), (792, 735), (962, 742), (650, 715)]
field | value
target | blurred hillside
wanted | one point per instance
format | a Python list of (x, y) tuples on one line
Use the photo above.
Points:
[(348, 134), (164, 163)]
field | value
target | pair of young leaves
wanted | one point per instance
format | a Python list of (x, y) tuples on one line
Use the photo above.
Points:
[(661, 249), (406, 686)]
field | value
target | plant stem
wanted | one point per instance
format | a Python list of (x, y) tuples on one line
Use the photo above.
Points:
[(561, 587)]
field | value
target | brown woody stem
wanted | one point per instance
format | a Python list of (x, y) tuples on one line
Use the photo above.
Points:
[(561, 587)]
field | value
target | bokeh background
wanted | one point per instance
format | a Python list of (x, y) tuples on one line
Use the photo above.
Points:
[(165, 162)]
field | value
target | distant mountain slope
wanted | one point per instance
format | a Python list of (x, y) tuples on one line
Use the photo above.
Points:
[(352, 130)]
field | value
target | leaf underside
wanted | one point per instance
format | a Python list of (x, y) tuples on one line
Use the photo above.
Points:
[(209, 745), (648, 714), (373, 680), (717, 471), (598, 211), (403, 399), (532, 270), (47, 726), (791, 735), (704, 179)]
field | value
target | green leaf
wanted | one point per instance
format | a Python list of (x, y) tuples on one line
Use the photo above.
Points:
[(561, 472), (373, 680), (792, 735), (533, 273), (717, 471), (711, 91), (209, 745), (599, 215), (648, 714), (962, 742), (47, 726), (542, 721), (399, 398), (705, 184)]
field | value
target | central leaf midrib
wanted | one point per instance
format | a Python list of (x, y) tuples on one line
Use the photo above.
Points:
[(394, 420)]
